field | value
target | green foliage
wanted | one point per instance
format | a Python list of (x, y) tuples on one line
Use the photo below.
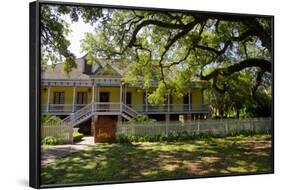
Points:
[(183, 136), (54, 44), (123, 139), (50, 140), (171, 48), (88, 44), (68, 65), (158, 96), (261, 106), (237, 98), (141, 119), (77, 136), (55, 30), (48, 118)]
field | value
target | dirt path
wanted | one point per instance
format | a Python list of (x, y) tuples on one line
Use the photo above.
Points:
[(51, 153)]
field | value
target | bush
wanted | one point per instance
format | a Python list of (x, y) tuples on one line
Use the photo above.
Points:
[(179, 136), (48, 118), (141, 119), (123, 139), (50, 140), (77, 136)]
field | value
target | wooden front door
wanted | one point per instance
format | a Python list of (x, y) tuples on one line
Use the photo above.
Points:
[(104, 99), (58, 99), (187, 106), (128, 98)]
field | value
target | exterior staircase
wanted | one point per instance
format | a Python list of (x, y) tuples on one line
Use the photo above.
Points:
[(100, 109)]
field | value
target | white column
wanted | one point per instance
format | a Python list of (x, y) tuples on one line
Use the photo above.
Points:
[(146, 101), (93, 93), (48, 98), (93, 98), (97, 94), (189, 103), (97, 98), (121, 89), (73, 99)]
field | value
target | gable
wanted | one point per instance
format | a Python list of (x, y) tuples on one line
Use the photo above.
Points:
[(106, 70)]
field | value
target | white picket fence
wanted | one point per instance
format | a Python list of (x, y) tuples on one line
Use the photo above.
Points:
[(217, 127), (58, 130)]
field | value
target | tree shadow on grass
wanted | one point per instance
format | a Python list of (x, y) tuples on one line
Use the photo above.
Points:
[(115, 162)]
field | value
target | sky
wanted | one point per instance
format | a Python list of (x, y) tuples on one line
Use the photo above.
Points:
[(78, 29)]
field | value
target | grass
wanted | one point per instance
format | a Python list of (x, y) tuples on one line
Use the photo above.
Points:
[(146, 160)]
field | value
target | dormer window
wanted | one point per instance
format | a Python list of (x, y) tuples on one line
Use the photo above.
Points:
[(95, 67)]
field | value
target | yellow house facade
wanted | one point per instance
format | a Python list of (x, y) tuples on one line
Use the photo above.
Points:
[(97, 90)]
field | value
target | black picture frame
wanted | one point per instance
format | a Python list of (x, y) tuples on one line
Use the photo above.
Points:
[(34, 110)]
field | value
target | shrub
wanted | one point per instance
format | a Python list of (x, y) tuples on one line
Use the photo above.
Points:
[(179, 136), (50, 140), (48, 118), (141, 119), (123, 139), (77, 136)]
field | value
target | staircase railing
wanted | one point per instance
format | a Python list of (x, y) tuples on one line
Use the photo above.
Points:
[(91, 108), (129, 111), (78, 114)]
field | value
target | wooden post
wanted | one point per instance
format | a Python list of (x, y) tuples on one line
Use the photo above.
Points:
[(48, 98), (73, 99)]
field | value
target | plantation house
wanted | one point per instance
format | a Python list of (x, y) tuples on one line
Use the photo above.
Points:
[(93, 91)]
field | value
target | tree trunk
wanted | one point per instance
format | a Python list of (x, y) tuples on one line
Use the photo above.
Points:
[(237, 113), (221, 113)]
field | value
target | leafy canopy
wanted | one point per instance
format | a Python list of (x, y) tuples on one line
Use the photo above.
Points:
[(171, 47)]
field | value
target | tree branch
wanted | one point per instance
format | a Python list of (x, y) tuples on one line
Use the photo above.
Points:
[(261, 33), (177, 62), (257, 83), (181, 34), (261, 63), (160, 24)]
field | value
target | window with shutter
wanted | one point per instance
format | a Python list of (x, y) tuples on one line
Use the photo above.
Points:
[(81, 98), (58, 97)]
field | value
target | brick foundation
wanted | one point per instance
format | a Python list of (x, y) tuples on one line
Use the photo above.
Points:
[(104, 128)]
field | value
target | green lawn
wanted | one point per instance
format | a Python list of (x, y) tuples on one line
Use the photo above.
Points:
[(113, 162)]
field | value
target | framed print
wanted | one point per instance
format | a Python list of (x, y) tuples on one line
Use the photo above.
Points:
[(130, 94)]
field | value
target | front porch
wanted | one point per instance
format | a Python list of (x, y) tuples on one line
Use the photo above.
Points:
[(104, 96), (115, 108)]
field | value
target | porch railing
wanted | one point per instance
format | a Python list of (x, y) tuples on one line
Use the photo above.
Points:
[(172, 108), (61, 108), (140, 108), (106, 107)]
